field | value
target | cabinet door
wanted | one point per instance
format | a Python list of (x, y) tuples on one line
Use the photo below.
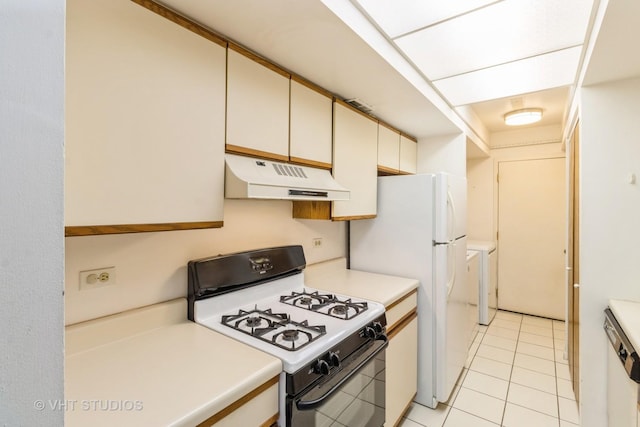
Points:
[(401, 371), (311, 126), (355, 158), (388, 149), (408, 155), (144, 121), (257, 108)]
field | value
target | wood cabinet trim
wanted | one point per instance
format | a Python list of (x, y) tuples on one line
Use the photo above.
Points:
[(405, 320), (260, 60), (271, 422), (401, 299), (314, 87), (312, 163), (406, 408), (409, 137), (95, 230), (352, 218), (238, 403), (386, 170), (182, 21), (236, 149), (388, 126), (311, 209), (352, 108)]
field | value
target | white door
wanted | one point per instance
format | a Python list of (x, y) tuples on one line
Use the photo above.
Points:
[(531, 236)]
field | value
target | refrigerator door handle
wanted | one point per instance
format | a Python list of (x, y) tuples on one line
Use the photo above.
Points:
[(452, 223), (452, 280)]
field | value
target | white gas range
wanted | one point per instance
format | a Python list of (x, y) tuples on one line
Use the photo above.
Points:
[(331, 346)]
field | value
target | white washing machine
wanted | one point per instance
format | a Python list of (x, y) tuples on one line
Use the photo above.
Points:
[(488, 284)]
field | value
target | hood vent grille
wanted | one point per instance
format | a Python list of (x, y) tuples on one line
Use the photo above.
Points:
[(286, 170), (251, 178)]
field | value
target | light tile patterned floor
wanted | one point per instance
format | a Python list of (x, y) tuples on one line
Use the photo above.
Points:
[(516, 377)]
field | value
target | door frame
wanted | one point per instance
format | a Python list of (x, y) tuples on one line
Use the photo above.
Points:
[(496, 183), (572, 332)]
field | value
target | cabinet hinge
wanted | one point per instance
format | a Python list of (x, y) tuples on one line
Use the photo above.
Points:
[(497, 235)]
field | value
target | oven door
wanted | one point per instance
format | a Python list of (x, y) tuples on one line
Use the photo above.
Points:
[(353, 396)]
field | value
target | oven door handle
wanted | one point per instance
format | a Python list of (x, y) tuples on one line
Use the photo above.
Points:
[(312, 404)]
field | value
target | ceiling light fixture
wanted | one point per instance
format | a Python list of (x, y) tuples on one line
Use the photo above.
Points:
[(524, 116)]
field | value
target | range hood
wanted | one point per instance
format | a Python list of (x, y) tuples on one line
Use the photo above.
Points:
[(250, 178)]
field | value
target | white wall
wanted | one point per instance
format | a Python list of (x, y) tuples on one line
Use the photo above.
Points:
[(446, 153), (610, 231), (480, 199), (31, 185), (151, 267)]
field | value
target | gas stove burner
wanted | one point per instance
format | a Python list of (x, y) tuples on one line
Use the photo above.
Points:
[(297, 335), (278, 328), (254, 322), (327, 304), (339, 309), (290, 334), (305, 300)]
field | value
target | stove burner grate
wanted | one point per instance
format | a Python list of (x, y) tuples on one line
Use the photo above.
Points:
[(327, 304), (280, 330)]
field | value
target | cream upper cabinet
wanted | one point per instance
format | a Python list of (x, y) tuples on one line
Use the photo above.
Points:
[(408, 155), (257, 107), (388, 149), (311, 125), (145, 117), (355, 158)]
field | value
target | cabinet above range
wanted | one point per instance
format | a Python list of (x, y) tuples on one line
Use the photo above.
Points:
[(145, 118), (153, 103)]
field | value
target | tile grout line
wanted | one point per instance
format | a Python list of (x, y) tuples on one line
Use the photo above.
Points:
[(506, 398), (481, 342), (555, 369)]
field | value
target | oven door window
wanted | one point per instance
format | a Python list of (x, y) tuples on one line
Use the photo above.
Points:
[(357, 402)]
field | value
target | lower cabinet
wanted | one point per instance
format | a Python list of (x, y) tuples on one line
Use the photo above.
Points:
[(401, 367), (259, 408)]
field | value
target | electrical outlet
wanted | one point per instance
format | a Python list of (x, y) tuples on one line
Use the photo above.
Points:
[(317, 242), (98, 278)]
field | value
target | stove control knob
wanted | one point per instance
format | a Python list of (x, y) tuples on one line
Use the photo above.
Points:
[(622, 353), (370, 332), (378, 327), (334, 359), (321, 367)]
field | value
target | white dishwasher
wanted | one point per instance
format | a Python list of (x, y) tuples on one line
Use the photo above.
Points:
[(623, 376)]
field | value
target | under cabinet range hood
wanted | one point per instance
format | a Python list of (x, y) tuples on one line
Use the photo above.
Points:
[(251, 178)]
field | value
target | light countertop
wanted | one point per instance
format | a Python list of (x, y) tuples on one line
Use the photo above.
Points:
[(334, 277), (151, 366), (627, 313)]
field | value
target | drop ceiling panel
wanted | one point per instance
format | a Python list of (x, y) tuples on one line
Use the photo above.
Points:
[(528, 75), (497, 34), (399, 17)]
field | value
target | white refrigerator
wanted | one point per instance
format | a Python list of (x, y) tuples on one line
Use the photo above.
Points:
[(420, 232)]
